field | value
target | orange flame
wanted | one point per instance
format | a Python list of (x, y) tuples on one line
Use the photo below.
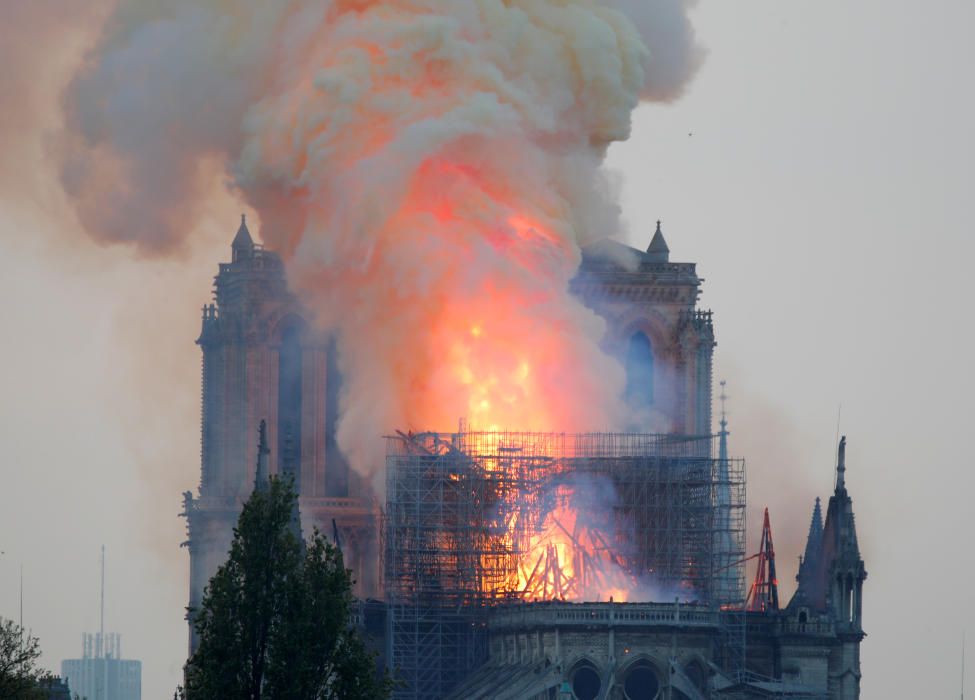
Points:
[(570, 559)]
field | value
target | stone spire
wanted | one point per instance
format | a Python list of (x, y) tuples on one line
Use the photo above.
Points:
[(724, 477), (658, 252), (810, 592), (243, 245), (262, 481), (727, 583), (814, 542), (841, 568), (723, 433), (261, 476), (841, 466), (842, 575), (841, 511)]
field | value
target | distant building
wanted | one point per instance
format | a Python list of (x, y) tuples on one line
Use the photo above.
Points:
[(102, 673), (54, 688)]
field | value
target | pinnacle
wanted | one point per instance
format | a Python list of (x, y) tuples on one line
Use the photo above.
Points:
[(658, 251), (243, 238)]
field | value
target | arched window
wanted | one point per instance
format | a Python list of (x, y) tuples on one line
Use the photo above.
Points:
[(289, 402), (641, 682), (639, 370), (586, 683)]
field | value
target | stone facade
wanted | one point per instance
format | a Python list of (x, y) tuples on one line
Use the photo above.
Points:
[(656, 330), (656, 651), (263, 361), (651, 651)]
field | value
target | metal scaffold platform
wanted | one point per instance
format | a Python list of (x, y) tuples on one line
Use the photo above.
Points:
[(474, 519)]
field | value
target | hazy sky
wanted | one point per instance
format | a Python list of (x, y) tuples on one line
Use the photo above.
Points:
[(819, 170)]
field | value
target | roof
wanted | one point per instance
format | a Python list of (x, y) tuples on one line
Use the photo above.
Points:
[(608, 262), (609, 252)]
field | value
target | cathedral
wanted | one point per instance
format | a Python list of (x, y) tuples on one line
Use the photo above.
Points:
[(263, 361)]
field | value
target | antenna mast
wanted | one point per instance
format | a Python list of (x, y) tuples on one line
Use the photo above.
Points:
[(101, 626), (101, 634)]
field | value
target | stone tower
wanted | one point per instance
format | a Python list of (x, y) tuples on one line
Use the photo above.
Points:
[(830, 591), (263, 361), (655, 329), (842, 574)]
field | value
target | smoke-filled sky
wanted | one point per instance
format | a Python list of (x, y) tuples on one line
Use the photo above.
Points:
[(816, 167), (428, 171)]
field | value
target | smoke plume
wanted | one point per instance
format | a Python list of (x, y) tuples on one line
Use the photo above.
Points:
[(428, 170)]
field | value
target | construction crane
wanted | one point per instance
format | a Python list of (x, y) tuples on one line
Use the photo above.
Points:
[(764, 593)]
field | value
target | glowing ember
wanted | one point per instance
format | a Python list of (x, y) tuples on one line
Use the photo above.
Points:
[(571, 557), (501, 516)]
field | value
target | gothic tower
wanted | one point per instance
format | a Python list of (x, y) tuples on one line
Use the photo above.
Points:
[(830, 590), (264, 361), (655, 329), (842, 576)]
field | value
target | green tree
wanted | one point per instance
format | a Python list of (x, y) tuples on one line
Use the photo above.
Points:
[(19, 652), (274, 620)]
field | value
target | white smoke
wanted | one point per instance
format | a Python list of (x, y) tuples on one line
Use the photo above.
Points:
[(428, 169)]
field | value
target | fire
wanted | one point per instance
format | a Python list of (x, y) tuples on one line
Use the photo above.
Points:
[(429, 172), (430, 177), (571, 558), (497, 384)]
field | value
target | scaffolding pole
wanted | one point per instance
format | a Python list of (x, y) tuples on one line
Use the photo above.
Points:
[(466, 517)]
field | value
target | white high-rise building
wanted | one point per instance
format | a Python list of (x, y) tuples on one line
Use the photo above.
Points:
[(102, 673)]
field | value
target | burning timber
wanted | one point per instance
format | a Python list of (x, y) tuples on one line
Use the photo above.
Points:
[(476, 520)]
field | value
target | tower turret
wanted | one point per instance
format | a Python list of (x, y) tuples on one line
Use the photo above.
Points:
[(830, 590), (844, 570), (264, 362), (663, 340), (842, 576), (658, 251), (243, 245)]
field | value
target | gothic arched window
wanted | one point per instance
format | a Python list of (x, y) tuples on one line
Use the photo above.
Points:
[(639, 370)]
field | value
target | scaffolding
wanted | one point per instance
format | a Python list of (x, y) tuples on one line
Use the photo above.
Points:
[(468, 515)]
